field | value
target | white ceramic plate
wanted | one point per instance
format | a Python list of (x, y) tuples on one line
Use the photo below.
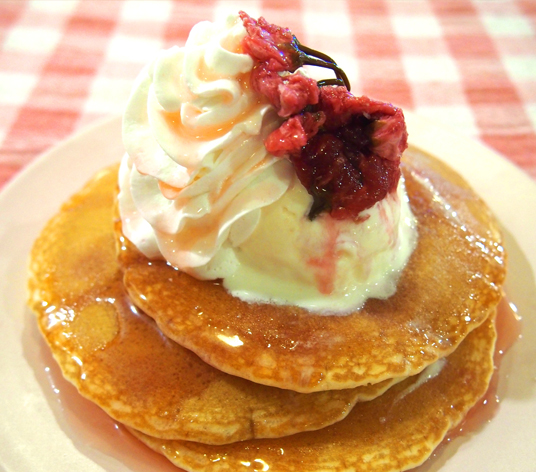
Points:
[(45, 425)]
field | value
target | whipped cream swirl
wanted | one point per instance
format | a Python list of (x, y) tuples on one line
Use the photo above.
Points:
[(196, 173)]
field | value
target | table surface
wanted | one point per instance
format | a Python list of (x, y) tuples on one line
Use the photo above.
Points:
[(466, 65)]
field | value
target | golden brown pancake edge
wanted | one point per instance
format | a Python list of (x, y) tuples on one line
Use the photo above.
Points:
[(395, 432)]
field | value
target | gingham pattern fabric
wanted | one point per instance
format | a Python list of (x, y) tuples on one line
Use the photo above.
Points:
[(470, 65)]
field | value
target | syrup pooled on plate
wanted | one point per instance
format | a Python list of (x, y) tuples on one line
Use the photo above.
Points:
[(508, 326)]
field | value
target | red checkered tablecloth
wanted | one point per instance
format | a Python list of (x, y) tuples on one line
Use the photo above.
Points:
[(470, 65)]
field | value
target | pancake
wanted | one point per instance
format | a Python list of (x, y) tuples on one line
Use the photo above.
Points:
[(395, 432), (115, 355), (448, 288)]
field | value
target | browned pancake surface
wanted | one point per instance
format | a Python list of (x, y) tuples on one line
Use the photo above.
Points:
[(451, 283), (116, 357), (395, 432)]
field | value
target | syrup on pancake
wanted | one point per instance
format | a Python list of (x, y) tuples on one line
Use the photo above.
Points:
[(451, 282), (116, 356), (395, 432)]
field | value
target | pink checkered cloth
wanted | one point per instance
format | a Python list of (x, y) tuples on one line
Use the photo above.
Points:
[(468, 64)]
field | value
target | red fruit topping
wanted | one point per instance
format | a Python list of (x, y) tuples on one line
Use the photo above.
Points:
[(388, 134), (353, 161), (294, 133), (274, 50), (288, 94), (270, 44), (346, 150)]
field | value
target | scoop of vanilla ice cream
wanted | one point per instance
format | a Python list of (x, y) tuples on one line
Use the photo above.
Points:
[(326, 265), (199, 189)]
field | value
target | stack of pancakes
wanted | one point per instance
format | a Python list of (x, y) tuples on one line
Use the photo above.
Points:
[(217, 384)]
